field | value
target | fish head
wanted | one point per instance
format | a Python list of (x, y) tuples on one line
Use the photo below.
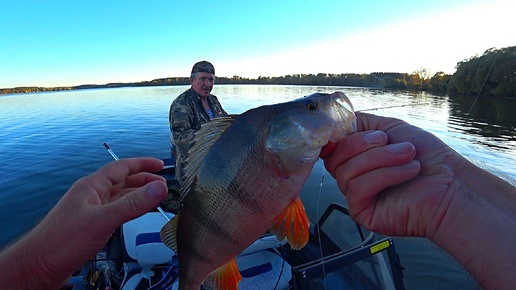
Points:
[(298, 133)]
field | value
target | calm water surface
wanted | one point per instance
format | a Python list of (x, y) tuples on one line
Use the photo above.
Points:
[(48, 140)]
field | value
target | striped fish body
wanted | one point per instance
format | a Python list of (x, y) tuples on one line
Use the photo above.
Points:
[(248, 177)]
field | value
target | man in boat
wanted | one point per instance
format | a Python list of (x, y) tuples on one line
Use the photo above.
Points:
[(188, 112)]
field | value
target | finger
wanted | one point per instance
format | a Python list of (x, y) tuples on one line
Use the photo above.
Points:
[(139, 179), (131, 183), (363, 190), (116, 172), (353, 145), (136, 202), (367, 186), (384, 156)]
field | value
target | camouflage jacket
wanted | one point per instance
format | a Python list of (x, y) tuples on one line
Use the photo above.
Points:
[(186, 116)]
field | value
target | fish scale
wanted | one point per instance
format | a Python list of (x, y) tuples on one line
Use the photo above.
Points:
[(243, 177)]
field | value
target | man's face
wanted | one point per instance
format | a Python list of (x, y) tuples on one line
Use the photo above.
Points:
[(202, 83)]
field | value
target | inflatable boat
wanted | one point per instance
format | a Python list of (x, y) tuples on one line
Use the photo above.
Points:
[(339, 255)]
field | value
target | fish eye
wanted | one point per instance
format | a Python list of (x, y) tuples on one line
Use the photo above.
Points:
[(310, 104)]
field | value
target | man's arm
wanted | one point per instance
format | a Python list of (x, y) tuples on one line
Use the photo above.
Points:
[(400, 180), (479, 225), (81, 223), (181, 129)]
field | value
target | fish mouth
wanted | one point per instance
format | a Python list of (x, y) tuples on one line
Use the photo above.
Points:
[(343, 129), (344, 115), (316, 144), (341, 99)]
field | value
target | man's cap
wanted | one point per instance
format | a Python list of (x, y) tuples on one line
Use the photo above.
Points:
[(203, 66)]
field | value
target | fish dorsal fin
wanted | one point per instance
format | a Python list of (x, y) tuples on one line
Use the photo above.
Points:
[(168, 234), (225, 277), (292, 224), (203, 140)]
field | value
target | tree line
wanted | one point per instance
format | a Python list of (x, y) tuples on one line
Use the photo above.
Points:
[(491, 74)]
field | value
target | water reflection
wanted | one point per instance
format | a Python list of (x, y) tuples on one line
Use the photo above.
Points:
[(488, 117), (492, 110)]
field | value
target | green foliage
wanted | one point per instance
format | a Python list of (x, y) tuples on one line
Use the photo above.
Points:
[(492, 74)]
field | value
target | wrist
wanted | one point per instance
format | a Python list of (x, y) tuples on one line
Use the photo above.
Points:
[(29, 263), (24, 269), (477, 225)]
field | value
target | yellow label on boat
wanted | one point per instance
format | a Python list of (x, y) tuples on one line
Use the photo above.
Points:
[(380, 246)]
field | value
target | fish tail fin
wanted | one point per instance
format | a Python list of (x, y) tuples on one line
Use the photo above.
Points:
[(168, 234), (225, 277), (293, 224)]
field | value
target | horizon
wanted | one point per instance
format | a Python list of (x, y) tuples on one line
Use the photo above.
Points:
[(108, 83), (62, 44)]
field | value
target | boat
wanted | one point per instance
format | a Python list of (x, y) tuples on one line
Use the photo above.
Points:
[(340, 254)]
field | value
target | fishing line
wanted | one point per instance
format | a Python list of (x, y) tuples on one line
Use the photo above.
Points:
[(488, 72), (281, 272), (390, 107), (319, 226)]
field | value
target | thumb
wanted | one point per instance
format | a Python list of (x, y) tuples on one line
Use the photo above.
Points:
[(137, 202)]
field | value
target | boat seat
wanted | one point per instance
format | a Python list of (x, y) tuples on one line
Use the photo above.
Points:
[(142, 241), (264, 269), (261, 264), (151, 263), (267, 241)]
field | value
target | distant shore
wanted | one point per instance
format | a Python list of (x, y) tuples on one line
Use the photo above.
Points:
[(486, 75)]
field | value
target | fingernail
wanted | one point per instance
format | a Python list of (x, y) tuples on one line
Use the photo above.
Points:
[(155, 190), (414, 164), (376, 137), (401, 148)]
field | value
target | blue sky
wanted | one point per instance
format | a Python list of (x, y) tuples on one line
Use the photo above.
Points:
[(65, 43)]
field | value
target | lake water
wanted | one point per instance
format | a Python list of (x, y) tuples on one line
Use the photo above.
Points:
[(48, 140)]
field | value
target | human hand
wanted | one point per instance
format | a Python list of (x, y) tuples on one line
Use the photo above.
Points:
[(397, 179), (85, 217)]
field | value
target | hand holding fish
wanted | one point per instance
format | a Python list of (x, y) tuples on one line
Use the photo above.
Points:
[(404, 181), (81, 223)]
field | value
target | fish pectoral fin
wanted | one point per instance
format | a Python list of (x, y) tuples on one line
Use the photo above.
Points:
[(293, 224), (225, 277), (168, 234)]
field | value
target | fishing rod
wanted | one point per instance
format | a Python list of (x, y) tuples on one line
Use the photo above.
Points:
[(480, 91), (116, 159)]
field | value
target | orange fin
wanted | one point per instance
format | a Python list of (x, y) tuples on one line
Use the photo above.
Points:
[(293, 224), (168, 234), (225, 277)]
